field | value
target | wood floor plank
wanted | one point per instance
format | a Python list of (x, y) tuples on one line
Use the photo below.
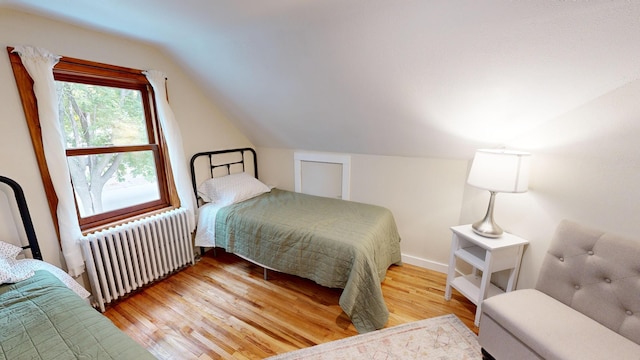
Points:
[(222, 308)]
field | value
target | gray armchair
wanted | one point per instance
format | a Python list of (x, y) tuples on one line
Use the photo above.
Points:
[(586, 304)]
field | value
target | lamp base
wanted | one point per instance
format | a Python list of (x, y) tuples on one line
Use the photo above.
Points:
[(487, 227)]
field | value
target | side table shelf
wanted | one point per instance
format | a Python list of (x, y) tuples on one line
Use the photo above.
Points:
[(474, 255), (486, 256), (469, 286)]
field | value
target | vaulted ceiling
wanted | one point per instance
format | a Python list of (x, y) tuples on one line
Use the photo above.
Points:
[(418, 78)]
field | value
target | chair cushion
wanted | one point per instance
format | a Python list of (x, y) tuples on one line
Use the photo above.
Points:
[(597, 274), (553, 330)]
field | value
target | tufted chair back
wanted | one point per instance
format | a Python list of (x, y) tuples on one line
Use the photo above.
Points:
[(597, 274)]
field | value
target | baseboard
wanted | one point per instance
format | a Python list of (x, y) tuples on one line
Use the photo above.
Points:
[(424, 263)]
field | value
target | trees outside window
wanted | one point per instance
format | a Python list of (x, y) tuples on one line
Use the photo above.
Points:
[(112, 167), (114, 146)]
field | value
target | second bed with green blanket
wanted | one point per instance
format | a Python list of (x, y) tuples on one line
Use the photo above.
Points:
[(336, 243), (41, 318)]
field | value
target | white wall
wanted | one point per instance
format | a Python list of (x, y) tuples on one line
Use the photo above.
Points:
[(425, 196), (585, 167), (585, 163), (202, 125)]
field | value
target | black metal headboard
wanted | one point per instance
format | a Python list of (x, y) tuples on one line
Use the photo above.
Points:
[(26, 217), (213, 164)]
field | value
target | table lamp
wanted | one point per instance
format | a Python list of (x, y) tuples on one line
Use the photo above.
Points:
[(498, 171)]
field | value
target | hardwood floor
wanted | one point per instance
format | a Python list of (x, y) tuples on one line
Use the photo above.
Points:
[(222, 308)]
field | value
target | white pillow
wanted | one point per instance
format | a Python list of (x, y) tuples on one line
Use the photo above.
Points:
[(12, 271), (207, 190), (5, 271), (9, 251), (231, 189)]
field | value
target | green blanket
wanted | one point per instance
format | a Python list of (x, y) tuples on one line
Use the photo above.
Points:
[(336, 243), (40, 318)]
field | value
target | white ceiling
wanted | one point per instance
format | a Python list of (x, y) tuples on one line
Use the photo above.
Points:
[(416, 78)]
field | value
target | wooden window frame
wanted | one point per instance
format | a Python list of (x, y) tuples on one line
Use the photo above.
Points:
[(89, 72)]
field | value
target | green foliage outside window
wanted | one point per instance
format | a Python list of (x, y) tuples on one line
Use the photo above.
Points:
[(93, 116)]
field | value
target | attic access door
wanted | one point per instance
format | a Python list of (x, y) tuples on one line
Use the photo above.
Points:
[(321, 174)]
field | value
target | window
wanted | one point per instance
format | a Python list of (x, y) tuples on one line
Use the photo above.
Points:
[(114, 146)]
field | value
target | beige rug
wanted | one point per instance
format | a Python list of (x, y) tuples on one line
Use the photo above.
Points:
[(442, 338)]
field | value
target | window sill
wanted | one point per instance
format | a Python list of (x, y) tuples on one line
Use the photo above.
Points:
[(88, 231)]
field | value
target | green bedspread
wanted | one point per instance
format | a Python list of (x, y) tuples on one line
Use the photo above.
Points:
[(40, 318), (336, 243)]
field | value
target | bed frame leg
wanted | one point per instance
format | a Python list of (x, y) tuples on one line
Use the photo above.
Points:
[(202, 251), (486, 355), (266, 275)]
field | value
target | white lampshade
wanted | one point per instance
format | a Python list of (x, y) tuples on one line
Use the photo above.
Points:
[(500, 171)]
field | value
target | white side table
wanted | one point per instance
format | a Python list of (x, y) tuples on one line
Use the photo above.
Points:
[(486, 255)]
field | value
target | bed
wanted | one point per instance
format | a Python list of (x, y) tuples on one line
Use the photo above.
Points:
[(44, 313), (336, 243)]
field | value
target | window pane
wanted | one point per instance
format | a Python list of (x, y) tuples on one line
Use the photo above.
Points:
[(108, 182), (93, 116)]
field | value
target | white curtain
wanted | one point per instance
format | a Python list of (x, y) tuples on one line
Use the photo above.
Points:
[(39, 64), (174, 143)]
